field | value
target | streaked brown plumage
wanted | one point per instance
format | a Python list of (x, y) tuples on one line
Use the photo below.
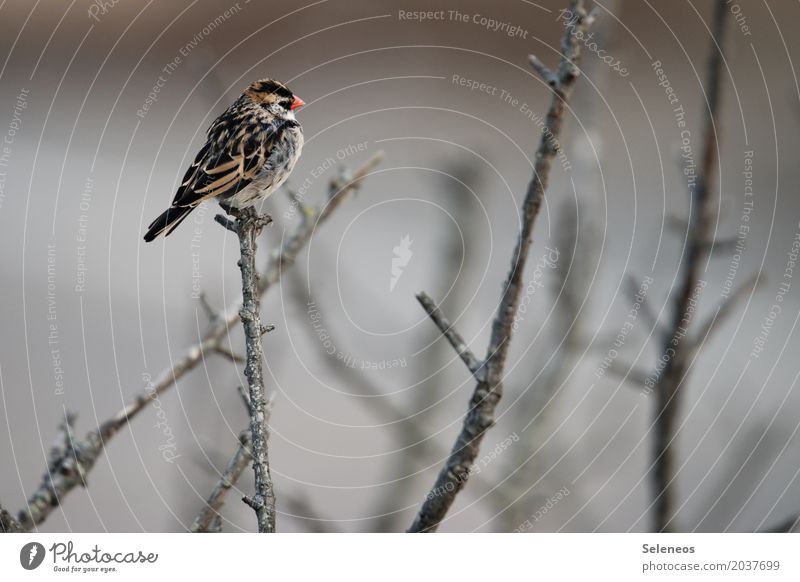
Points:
[(249, 152)]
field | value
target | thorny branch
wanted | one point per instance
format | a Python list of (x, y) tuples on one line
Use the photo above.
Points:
[(69, 468), (488, 391)]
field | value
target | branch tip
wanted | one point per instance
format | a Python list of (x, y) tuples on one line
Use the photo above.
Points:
[(544, 71), (451, 335), (55, 485), (489, 387)]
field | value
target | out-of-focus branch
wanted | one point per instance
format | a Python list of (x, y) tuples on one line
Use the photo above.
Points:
[(69, 469), (675, 350), (725, 309), (300, 508), (411, 431), (488, 391), (231, 355), (646, 311), (791, 525), (456, 186), (578, 242), (7, 522), (636, 376), (208, 519)]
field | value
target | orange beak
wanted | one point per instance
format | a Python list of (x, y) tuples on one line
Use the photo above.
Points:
[(297, 103)]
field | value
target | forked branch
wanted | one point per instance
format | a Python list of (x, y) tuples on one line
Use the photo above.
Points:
[(70, 468), (489, 388)]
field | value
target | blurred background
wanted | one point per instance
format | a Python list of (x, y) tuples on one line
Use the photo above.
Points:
[(103, 106)]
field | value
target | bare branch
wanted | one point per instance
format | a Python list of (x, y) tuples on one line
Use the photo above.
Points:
[(677, 225), (677, 352), (450, 333), (791, 525), (65, 438), (206, 521), (300, 506), (544, 72), (7, 522), (593, 15), (646, 312), (719, 246), (630, 374), (297, 201), (223, 351), (248, 227), (209, 519), (212, 315), (245, 395), (412, 430), (57, 482), (488, 391), (724, 309)]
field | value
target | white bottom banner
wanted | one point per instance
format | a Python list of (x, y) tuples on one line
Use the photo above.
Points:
[(355, 557)]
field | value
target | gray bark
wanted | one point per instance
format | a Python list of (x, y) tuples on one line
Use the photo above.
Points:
[(489, 389)]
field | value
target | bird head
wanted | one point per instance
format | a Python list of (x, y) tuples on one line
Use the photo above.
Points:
[(275, 97)]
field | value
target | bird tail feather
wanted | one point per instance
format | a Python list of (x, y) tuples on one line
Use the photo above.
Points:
[(167, 222)]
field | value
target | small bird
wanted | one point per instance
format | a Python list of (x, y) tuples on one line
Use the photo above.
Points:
[(249, 152)]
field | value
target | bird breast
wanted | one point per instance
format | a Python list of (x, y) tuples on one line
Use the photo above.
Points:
[(279, 164)]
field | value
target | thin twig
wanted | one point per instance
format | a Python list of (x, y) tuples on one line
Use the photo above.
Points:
[(461, 175), (450, 333), (725, 309), (231, 355), (206, 521), (578, 238), (244, 394), (488, 391), (544, 72), (723, 246), (212, 315), (248, 227), (676, 351), (636, 376), (209, 519), (411, 431), (57, 482), (646, 312)]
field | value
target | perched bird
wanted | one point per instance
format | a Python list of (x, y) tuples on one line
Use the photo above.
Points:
[(249, 152)]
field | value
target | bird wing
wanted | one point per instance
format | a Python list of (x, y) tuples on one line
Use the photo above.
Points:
[(231, 158)]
